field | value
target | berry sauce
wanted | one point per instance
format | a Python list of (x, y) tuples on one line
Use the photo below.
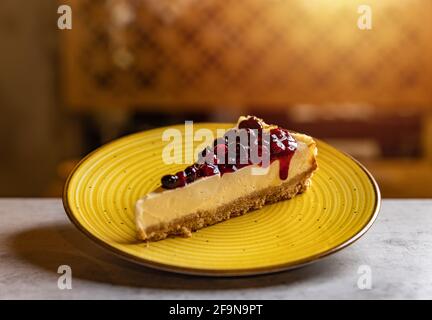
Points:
[(220, 159)]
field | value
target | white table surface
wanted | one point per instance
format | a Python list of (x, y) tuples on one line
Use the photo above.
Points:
[(36, 238)]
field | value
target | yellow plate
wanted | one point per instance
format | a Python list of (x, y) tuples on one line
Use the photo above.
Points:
[(100, 195)]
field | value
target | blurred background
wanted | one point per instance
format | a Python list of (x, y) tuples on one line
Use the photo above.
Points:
[(130, 65)]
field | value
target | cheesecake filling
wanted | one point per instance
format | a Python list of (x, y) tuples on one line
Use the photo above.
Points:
[(209, 193)]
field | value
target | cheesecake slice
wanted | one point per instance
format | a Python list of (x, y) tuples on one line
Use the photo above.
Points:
[(252, 165)]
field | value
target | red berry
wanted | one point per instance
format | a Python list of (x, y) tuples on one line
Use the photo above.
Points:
[(191, 174), (277, 147), (207, 170), (278, 141), (251, 123), (169, 181), (181, 179), (278, 132), (227, 168)]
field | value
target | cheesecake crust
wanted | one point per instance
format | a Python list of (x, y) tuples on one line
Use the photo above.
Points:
[(186, 225)]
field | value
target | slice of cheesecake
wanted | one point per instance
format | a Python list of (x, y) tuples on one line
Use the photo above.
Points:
[(232, 177)]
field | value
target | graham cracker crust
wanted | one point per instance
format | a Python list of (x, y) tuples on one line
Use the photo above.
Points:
[(186, 225)]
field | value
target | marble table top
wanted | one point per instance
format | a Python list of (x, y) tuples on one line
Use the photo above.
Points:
[(393, 260)]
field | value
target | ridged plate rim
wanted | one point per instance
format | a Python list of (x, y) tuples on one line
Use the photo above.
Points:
[(218, 273)]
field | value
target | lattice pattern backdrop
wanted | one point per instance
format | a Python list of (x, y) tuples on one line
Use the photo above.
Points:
[(186, 53)]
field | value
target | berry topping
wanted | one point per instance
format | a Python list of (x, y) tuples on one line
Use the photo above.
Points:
[(169, 181), (250, 123), (277, 146), (278, 140), (191, 174), (227, 168), (279, 133), (246, 145), (181, 179), (207, 170)]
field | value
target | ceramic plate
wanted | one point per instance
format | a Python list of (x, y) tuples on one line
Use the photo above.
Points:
[(100, 195)]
